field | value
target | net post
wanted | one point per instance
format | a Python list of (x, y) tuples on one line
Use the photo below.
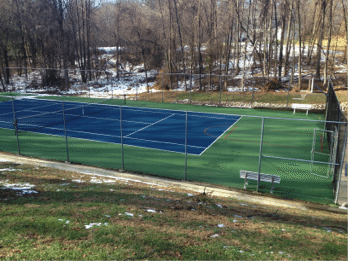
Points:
[(112, 93), (121, 138), (124, 98), (15, 125), (162, 86), (66, 136), (185, 147), (220, 91), (260, 155), (190, 86), (89, 92)]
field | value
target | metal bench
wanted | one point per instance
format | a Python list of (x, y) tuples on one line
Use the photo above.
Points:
[(244, 174), (301, 106)]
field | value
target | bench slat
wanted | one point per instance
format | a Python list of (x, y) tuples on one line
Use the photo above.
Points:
[(301, 106), (263, 177)]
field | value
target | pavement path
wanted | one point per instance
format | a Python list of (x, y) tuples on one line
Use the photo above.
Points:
[(248, 196)]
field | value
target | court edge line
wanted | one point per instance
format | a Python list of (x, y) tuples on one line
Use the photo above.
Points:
[(179, 112), (220, 136), (105, 119), (218, 113), (150, 125), (109, 142), (29, 109), (105, 135)]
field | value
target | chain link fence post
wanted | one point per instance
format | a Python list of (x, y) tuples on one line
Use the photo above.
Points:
[(287, 97), (121, 128), (66, 136), (190, 87), (260, 155), (252, 92), (162, 86), (136, 91), (15, 125), (220, 91), (185, 147)]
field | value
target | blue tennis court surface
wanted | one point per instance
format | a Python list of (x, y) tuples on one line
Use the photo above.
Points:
[(141, 127)]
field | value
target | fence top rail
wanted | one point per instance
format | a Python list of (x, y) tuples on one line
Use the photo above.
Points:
[(57, 69), (199, 112), (188, 74), (248, 77), (316, 86)]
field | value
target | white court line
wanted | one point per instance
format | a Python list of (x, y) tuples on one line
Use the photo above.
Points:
[(106, 135), (219, 136), (7, 113), (150, 125), (198, 112), (167, 142), (142, 147), (107, 119), (36, 107)]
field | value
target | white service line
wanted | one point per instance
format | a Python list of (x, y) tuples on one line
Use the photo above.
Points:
[(33, 108), (150, 125), (220, 136), (106, 119)]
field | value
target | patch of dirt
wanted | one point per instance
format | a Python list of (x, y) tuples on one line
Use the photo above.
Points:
[(272, 85)]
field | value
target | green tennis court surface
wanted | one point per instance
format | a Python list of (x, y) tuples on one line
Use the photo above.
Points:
[(237, 149)]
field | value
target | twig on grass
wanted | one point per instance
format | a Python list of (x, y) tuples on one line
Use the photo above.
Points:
[(265, 215), (141, 257), (344, 228), (203, 194)]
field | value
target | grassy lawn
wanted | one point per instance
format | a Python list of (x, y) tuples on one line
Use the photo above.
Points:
[(76, 216)]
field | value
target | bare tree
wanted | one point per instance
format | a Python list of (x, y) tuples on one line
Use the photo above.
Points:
[(299, 45), (321, 34)]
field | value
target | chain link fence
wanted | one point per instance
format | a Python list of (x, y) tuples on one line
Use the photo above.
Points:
[(334, 113), (287, 143)]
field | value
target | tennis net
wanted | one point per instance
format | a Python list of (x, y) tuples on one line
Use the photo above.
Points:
[(65, 111)]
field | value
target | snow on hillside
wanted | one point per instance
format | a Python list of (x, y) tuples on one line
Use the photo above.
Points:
[(132, 78)]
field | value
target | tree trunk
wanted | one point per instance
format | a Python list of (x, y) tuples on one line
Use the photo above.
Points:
[(299, 44), (280, 64), (145, 69), (88, 32), (321, 34), (276, 42), (7, 74), (328, 43), (181, 42), (288, 40), (200, 59), (2, 83)]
